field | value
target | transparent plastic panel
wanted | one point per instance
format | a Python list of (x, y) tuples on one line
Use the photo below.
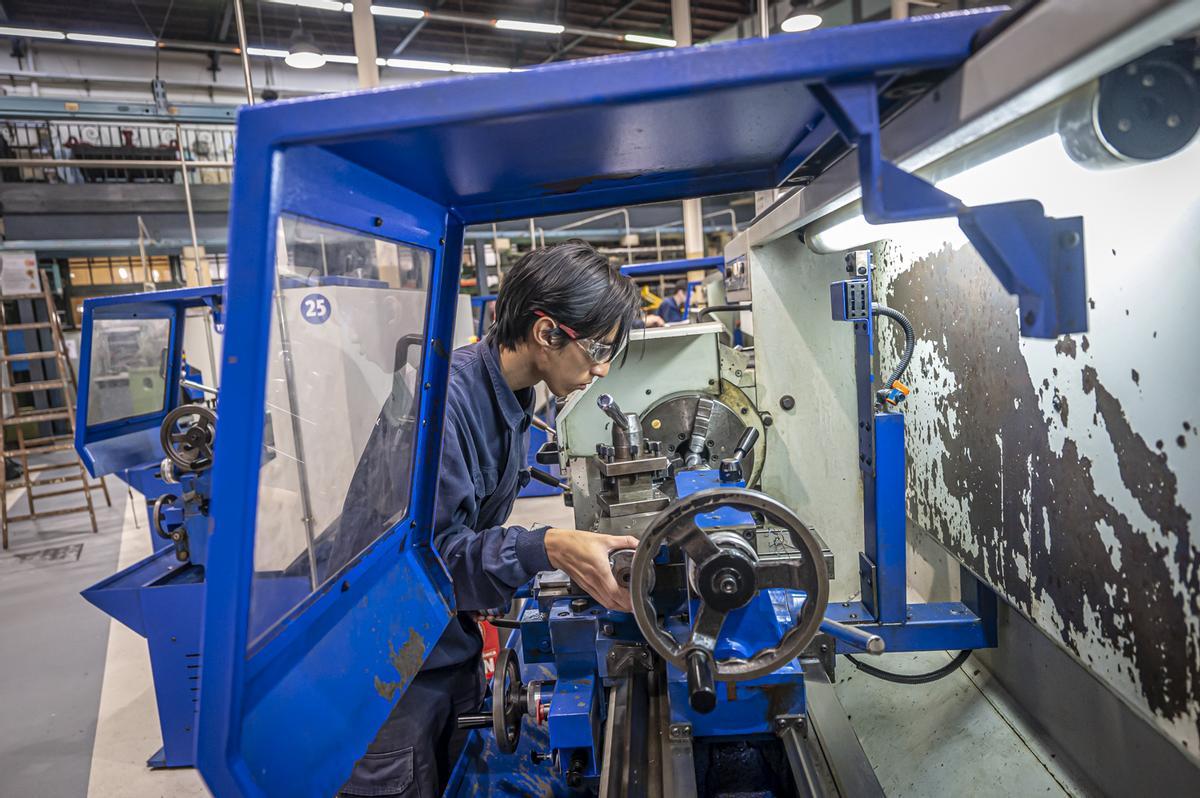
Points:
[(128, 366), (347, 326)]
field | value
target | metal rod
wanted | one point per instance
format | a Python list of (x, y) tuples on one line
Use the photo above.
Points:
[(289, 372), (580, 222), (143, 234), (239, 15), (195, 386), (113, 163), (191, 214), (871, 643)]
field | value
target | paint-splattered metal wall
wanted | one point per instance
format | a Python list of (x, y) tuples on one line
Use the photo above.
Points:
[(1067, 473)]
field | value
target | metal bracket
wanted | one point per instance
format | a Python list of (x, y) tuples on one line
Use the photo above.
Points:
[(679, 732), (785, 723), (624, 659), (1038, 258)]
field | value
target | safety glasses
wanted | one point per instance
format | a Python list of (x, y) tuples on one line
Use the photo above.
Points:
[(597, 351)]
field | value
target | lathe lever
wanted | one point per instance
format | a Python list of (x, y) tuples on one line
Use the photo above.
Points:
[(702, 688), (611, 409), (731, 467), (852, 635)]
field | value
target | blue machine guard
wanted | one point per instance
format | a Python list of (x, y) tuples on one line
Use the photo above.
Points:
[(406, 165)]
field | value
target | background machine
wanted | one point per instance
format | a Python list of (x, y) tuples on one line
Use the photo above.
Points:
[(720, 679)]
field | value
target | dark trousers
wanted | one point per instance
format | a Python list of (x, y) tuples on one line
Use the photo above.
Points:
[(417, 747)]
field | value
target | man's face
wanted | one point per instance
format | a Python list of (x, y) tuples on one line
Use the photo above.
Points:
[(569, 368), (680, 295)]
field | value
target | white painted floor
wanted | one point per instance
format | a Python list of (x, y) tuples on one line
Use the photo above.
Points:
[(954, 737), (127, 727)]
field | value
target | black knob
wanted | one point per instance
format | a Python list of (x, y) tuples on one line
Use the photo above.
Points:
[(702, 688)]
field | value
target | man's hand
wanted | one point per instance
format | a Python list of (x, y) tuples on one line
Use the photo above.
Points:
[(654, 320), (584, 557)]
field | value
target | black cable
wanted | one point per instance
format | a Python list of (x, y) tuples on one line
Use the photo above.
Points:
[(708, 311), (910, 339), (912, 678)]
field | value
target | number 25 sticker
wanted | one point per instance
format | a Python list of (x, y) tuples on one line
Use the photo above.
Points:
[(315, 309)]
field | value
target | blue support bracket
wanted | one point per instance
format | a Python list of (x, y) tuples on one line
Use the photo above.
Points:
[(883, 570), (1038, 258), (937, 626)]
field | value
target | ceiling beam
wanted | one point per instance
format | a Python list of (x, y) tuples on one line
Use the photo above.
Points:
[(571, 45)]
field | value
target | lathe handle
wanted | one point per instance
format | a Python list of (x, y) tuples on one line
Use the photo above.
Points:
[(546, 478), (731, 467), (611, 409), (702, 687), (749, 438), (474, 721), (852, 635)]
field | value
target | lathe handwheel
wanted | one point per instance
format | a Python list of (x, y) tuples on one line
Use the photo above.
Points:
[(508, 701), (157, 514), (189, 447), (676, 526)]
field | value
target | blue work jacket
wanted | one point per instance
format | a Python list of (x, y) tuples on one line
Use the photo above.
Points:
[(483, 467), (668, 310)]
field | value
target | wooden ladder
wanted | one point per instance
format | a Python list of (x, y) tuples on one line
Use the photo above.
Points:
[(65, 382)]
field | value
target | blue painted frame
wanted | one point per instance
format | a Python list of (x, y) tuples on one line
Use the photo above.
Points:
[(415, 164), (680, 266), (96, 444)]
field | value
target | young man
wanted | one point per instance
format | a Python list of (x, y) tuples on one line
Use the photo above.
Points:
[(561, 315), (671, 308)]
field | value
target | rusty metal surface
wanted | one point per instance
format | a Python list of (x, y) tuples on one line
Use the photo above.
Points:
[(1066, 473)]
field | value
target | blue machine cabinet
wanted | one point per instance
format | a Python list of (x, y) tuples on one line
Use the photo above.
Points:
[(132, 374), (304, 657)]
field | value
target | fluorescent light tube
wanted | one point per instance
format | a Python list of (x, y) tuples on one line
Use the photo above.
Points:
[(477, 69), (406, 63), (394, 11), (32, 33), (655, 40), (323, 5), (99, 39), (532, 27)]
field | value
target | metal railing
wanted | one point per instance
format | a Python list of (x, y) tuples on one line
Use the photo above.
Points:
[(71, 151)]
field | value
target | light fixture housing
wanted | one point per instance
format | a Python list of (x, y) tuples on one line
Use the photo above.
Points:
[(530, 27), (658, 41), (801, 22), (303, 52)]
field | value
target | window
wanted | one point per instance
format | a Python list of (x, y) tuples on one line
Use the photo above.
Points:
[(347, 328), (127, 373)]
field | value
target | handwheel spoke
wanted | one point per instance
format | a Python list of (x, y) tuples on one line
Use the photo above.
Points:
[(707, 627), (697, 544), (788, 573)]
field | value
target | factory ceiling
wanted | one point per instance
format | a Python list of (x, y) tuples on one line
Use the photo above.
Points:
[(271, 24)]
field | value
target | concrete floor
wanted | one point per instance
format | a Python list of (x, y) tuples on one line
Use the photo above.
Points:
[(79, 716)]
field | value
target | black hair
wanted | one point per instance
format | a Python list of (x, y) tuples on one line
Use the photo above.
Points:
[(680, 285), (575, 286)]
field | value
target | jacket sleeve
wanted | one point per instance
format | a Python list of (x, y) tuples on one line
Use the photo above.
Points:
[(485, 565)]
